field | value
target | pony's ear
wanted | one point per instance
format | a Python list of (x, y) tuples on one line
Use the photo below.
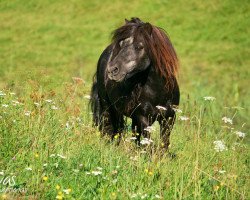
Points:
[(126, 21), (148, 28)]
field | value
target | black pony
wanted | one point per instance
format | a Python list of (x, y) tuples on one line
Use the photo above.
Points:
[(136, 77)]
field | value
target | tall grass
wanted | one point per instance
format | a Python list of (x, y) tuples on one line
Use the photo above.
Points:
[(47, 143)]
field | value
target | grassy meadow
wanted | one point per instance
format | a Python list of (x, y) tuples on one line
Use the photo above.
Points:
[(48, 147)]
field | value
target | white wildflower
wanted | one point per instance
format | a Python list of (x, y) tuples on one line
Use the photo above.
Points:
[(149, 129), (28, 168), (227, 120), (222, 171), (12, 93), (146, 141), (36, 104), (87, 96), (144, 196), (45, 164), (240, 134), (99, 168), (48, 100), (157, 196), (76, 170), (177, 110), (66, 191), (209, 98), (134, 158), (132, 138), (27, 113), (133, 196), (54, 107), (15, 103), (67, 125), (161, 108), (56, 165), (88, 173), (219, 146), (2, 94), (183, 118), (96, 173), (61, 156), (5, 105)]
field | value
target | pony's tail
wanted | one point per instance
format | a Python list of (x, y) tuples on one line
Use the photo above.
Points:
[(95, 103)]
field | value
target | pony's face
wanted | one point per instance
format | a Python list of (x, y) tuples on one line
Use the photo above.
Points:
[(127, 59)]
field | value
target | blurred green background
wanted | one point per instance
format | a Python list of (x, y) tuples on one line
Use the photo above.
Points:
[(51, 41)]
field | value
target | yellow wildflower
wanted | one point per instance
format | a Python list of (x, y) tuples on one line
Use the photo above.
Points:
[(58, 187), (150, 173), (116, 136), (216, 187), (4, 196), (45, 178), (59, 197), (36, 155)]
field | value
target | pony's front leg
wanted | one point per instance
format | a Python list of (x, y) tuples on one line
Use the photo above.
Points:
[(166, 126), (106, 126), (139, 127)]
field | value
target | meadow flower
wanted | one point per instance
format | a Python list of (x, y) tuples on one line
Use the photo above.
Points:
[(157, 196), (240, 134), (67, 125), (45, 178), (1, 173), (36, 155), (144, 196), (15, 103), (161, 108), (58, 187), (59, 197), (28, 168), (48, 100), (99, 168), (116, 136), (132, 138), (183, 118), (61, 156), (177, 110), (219, 146), (54, 107), (12, 93), (149, 129), (67, 191), (45, 164), (222, 171), (88, 173), (5, 105), (227, 120), (56, 165), (87, 96), (2, 94), (209, 98), (36, 104), (146, 141), (96, 173), (27, 113), (134, 158), (76, 170)]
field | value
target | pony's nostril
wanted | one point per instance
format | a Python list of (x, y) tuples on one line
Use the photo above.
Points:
[(115, 71)]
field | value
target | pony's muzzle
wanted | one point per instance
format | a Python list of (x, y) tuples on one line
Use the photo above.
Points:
[(113, 71)]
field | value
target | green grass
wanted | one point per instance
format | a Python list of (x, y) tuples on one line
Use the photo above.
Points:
[(43, 44)]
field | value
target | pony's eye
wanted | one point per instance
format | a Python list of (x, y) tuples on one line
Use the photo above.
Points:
[(139, 47)]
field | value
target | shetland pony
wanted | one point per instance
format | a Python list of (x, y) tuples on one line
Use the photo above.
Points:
[(136, 78)]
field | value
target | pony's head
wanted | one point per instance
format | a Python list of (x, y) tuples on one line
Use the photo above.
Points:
[(136, 47)]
